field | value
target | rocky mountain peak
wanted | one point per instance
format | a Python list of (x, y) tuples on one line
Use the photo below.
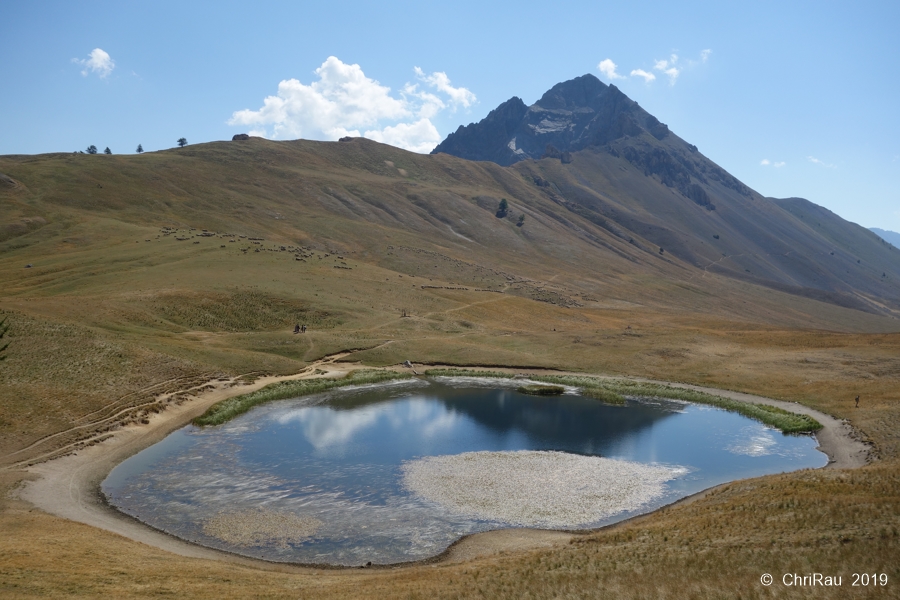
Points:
[(570, 116), (573, 94)]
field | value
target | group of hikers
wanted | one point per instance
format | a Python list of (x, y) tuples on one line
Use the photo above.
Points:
[(299, 329)]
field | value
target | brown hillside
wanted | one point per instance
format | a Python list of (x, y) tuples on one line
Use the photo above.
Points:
[(132, 282)]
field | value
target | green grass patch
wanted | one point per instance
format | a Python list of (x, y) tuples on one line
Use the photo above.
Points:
[(467, 373), (226, 410), (541, 390), (614, 391)]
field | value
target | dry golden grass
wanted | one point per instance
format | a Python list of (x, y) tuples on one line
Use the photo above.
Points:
[(104, 322)]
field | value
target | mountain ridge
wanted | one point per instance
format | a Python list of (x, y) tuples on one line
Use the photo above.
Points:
[(891, 237), (621, 168), (596, 219)]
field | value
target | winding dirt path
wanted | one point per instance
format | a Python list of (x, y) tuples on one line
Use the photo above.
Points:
[(69, 486)]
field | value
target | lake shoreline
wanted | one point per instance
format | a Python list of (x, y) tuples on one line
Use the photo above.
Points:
[(69, 486)]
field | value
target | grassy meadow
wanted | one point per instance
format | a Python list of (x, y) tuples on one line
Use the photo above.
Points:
[(127, 299)]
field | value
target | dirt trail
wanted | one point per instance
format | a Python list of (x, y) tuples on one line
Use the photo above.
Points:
[(69, 486)]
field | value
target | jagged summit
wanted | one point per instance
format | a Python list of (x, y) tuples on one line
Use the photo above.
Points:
[(611, 162), (570, 116)]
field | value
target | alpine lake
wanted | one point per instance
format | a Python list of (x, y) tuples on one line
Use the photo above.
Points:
[(397, 472)]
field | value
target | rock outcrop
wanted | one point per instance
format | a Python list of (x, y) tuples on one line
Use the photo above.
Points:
[(240, 136), (571, 116)]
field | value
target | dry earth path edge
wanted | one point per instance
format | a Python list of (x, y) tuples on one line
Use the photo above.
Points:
[(69, 486)]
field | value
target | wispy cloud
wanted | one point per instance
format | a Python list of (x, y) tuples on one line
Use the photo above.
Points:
[(648, 77), (668, 67), (608, 68), (821, 163), (99, 62), (459, 96), (671, 67), (777, 164), (345, 102)]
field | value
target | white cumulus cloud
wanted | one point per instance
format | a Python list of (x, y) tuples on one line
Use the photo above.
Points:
[(704, 55), (608, 68), (764, 162), (344, 101), (99, 62), (648, 77), (459, 96), (668, 67), (777, 164), (421, 136)]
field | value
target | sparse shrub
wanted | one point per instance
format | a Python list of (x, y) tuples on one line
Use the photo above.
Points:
[(521, 220), (107, 151), (92, 149), (140, 149)]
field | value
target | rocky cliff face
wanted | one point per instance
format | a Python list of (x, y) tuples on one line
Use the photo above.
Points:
[(586, 113), (571, 116), (488, 139)]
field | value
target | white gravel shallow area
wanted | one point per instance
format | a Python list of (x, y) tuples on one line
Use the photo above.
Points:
[(261, 528), (536, 488)]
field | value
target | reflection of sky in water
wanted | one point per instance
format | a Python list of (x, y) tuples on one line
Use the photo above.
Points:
[(336, 457)]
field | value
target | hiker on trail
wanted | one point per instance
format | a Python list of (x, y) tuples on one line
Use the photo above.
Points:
[(297, 328), (303, 329), (857, 402)]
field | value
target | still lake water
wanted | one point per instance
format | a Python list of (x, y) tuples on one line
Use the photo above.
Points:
[(336, 457)]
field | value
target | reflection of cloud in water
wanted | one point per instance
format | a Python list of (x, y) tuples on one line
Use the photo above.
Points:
[(325, 427), (755, 440), (442, 422), (347, 475)]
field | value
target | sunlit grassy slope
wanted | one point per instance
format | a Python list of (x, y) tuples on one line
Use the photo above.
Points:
[(126, 297)]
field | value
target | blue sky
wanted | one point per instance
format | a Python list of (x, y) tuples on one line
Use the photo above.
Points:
[(793, 98)]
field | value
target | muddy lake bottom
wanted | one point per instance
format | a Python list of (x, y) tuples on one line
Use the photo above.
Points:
[(397, 472)]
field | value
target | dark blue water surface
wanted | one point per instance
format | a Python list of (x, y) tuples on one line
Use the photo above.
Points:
[(336, 457)]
